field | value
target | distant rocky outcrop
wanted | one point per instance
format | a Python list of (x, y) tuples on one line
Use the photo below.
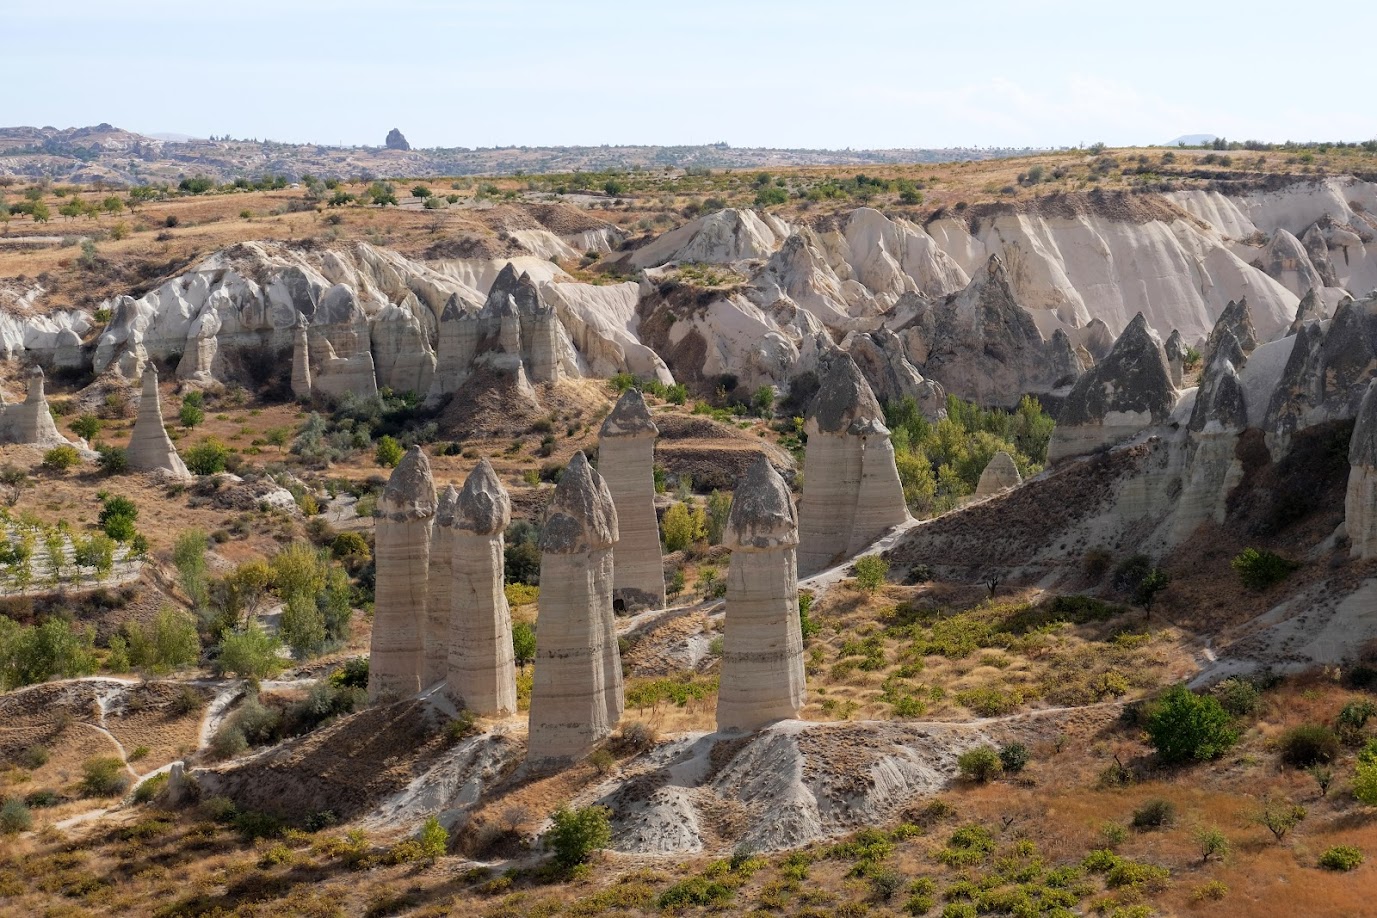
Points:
[(396, 140), (150, 448), (1360, 501), (404, 519), (626, 461), (762, 651), (1118, 398), (576, 698), (482, 668), (981, 345)]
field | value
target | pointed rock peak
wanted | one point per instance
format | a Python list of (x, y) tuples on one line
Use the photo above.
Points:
[(444, 506), (1309, 309), (582, 516), (1175, 348), (762, 514), (1237, 319), (1134, 378), (630, 418), (993, 272), (844, 397), (1004, 466), (1221, 397), (1362, 449), (410, 492), (483, 507), (454, 308)]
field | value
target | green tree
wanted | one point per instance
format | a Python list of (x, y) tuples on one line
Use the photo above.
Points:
[(1279, 817), (1155, 582), (1186, 727), (576, 834), (763, 401), (189, 557), (388, 453), (168, 642), (249, 654), (302, 626), (112, 205), (113, 459), (207, 458), (433, 839), (117, 517), (675, 585), (523, 643), (190, 415), (36, 653), (681, 527)]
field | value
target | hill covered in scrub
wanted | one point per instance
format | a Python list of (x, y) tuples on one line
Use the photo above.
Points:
[(1110, 652)]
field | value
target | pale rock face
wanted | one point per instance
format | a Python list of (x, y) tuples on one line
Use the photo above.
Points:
[(301, 362), (1127, 392), (626, 461), (576, 699), (1218, 417), (402, 353), (440, 589), (1360, 502), (150, 448), (1175, 351), (1236, 320), (1311, 309), (481, 667), (851, 491), (882, 359), (1286, 259), (405, 516), (762, 656), (718, 238), (1000, 475)]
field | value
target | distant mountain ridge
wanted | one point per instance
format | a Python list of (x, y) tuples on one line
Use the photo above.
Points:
[(104, 153)]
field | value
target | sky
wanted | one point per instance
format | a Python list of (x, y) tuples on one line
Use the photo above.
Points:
[(859, 74)]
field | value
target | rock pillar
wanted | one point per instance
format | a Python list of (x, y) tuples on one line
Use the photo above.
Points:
[(762, 659), (404, 519), (482, 666), (439, 590), (626, 460), (577, 696), (1000, 475), (301, 361), (150, 448), (1360, 503)]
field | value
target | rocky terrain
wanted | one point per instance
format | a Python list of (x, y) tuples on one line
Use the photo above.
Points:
[(807, 556)]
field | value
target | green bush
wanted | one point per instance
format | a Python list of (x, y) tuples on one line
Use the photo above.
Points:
[(682, 526), (1185, 727), (1341, 858), (1237, 696), (1154, 814), (980, 764), (33, 757), (249, 654), (15, 817), (104, 777), (576, 834), (86, 426), (1308, 744), (169, 642), (113, 459), (190, 415), (1014, 757), (36, 653), (61, 458), (1259, 569)]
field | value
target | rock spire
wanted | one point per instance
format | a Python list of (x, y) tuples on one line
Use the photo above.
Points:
[(762, 659), (626, 460), (1360, 502), (577, 697), (150, 448)]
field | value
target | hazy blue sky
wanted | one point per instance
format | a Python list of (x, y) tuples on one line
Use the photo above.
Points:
[(786, 74)]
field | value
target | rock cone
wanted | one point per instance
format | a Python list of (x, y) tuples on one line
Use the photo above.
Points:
[(1000, 475), (405, 516), (762, 659), (481, 669), (150, 448), (626, 460), (577, 698)]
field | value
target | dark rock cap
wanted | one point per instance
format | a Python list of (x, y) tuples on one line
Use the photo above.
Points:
[(1221, 397), (410, 492), (762, 514), (1235, 318), (1309, 310), (1175, 349), (1134, 377), (582, 516), (444, 507), (844, 397), (483, 507), (630, 418), (511, 292)]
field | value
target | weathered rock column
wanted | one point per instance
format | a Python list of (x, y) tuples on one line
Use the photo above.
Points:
[(843, 421), (301, 361), (32, 421), (626, 461), (439, 590), (1218, 418), (150, 448), (1360, 503), (1175, 351), (880, 504), (482, 664), (404, 519), (762, 657), (1000, 475), (577, 696)]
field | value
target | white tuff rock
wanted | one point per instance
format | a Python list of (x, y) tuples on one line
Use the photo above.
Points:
[(150, 448), (626, 461), (1360, 503), (1000, 475)]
